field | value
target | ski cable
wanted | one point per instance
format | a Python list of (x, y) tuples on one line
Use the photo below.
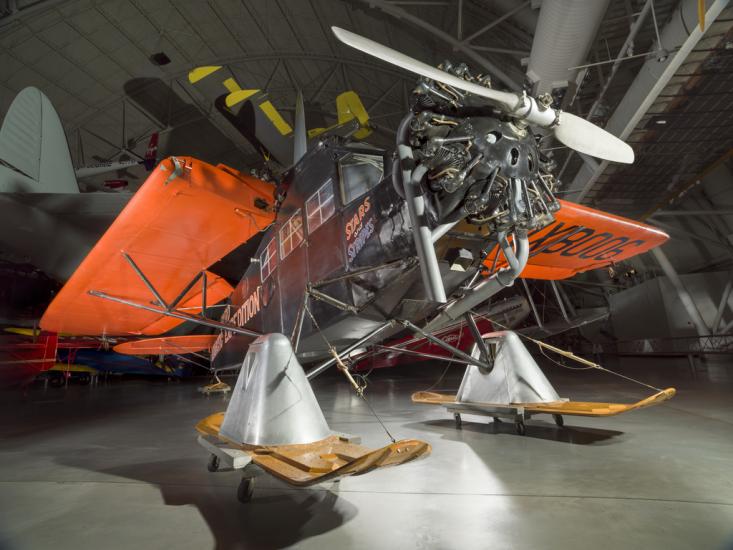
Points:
[(345, 370), (570, 355)]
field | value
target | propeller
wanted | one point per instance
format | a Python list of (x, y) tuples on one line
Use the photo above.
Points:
[(569, 129)]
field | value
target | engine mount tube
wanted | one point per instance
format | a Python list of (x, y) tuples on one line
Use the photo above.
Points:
[(422, 234), (397, 178), (483, 291)]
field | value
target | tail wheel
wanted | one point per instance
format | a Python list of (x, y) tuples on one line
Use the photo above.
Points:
[(459, 421), (246, 489), (519, 427)]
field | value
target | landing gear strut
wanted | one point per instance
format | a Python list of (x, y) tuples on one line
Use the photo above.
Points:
[(519, 427), (213, 464)]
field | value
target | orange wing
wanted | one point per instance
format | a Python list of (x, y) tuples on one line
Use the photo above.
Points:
[(177, 345), (581, 239), (186, 216)]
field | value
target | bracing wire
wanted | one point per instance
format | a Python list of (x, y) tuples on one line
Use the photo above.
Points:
[(359, 388), (445, 371), (567, 354)]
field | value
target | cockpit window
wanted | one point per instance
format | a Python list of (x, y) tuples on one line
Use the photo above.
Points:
[(268, 260), (291, 234), (359, 173), (319, 207)]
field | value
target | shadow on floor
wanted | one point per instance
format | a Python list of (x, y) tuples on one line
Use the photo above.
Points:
[(275, 518), (49, 411), (575, 435)]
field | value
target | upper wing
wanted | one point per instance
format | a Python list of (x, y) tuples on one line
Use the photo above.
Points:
[(581, 239), (187, 215)]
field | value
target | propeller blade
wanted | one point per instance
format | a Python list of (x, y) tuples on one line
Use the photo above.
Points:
[(585, 137), (507, 99), (571, 130)]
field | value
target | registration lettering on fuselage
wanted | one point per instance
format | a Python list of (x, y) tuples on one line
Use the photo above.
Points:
[(243, 315)]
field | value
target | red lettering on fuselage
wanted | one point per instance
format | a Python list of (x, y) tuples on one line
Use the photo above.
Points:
[(354, 223)]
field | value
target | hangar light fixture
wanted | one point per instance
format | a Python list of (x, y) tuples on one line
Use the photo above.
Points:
[(160, 59)]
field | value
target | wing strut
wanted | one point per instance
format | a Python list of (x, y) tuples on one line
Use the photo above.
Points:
[(169, 310), (176, 314)]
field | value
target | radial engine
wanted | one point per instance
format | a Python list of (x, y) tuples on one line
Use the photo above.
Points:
[(478, 164)]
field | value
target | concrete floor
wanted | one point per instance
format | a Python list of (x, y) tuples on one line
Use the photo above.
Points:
[(117, 466)]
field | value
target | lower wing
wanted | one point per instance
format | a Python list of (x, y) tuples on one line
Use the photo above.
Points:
[(187, 215), (581, 239)]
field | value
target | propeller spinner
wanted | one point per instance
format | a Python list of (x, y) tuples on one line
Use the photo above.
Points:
[(569, 129)]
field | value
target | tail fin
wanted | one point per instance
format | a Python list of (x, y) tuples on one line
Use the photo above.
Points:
[(151, 155), (34, 153)]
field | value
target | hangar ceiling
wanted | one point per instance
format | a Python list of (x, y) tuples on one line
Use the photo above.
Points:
[(93, 59)]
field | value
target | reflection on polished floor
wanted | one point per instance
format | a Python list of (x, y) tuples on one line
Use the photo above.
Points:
[(117, 466)]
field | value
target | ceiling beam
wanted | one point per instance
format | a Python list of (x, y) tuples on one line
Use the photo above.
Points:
[(680, 36), (694, 213), (452, 41), (496, 22)]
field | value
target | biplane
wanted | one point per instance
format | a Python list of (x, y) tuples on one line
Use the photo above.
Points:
[(358, 245)]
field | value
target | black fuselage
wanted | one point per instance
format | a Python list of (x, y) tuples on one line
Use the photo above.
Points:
[(356, 261)]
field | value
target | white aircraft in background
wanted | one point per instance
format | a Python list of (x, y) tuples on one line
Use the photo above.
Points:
[(44, 214)]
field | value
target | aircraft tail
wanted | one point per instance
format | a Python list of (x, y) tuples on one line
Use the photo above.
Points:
[(252, 113), (34, 153)]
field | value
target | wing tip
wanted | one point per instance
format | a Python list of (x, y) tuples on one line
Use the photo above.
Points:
[(625, 155)]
